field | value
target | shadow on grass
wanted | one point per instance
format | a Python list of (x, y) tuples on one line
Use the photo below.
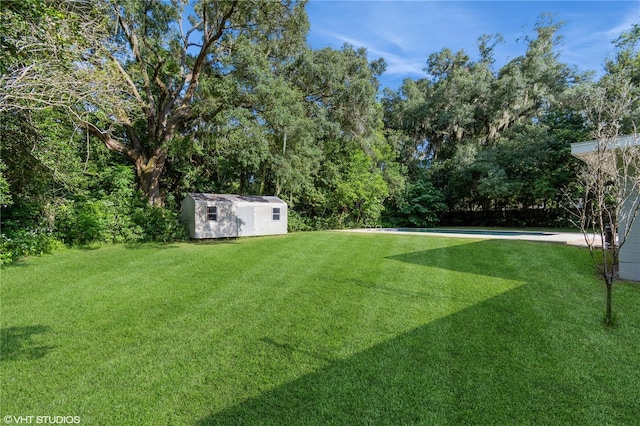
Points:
[(89, 247), (20, 262), (156, 245), (470, 258), (215, 241), (461, 369), (494, 362), (17, 343), (159, 245)]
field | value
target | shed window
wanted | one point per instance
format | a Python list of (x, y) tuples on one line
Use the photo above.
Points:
[(276, 213), (212, 213)]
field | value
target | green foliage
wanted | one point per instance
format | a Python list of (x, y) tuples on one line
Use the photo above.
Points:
[(41, 167), (620, 87), (15, 16), (246, 107), (420, 205), (313, 136), (26, 242), (5, 190), (360, 193), (297, 222), (114, 213), (626, 59), (107, 211), (156, 223), (528, 166), (252, 110), (492, 139), (423, 205)]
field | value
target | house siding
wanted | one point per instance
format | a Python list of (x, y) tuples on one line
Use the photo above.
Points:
[(629, 256), (629, 261)]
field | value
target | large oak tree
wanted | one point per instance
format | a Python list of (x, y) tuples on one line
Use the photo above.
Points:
[(130, 71)]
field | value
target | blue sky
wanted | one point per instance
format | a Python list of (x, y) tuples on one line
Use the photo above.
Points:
[(404, 33)]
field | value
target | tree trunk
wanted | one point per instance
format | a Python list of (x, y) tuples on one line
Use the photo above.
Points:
[(608, 319), (148, 170), (148, 173)]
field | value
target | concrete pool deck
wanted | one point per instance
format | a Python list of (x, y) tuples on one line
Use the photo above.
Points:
[(570, 238)]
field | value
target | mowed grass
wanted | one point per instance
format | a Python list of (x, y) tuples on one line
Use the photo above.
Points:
[(319, 328)]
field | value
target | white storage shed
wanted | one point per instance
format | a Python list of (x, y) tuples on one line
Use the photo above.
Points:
[(227, 216)]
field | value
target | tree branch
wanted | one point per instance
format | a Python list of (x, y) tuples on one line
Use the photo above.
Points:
[(111, 143)]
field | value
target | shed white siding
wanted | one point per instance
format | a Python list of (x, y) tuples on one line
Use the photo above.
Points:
[(225, 215)]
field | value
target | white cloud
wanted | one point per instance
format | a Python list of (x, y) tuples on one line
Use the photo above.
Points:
[(398, 62), (626, 24), (588, 38)]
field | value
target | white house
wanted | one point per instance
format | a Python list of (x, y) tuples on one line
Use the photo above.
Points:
[(225, 215), (629, 256)]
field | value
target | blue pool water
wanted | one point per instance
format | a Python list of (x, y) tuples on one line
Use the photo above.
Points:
[(472, 231)]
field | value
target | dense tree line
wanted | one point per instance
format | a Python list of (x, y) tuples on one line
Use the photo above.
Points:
[(481, 142), (492, 139), (112, 110)]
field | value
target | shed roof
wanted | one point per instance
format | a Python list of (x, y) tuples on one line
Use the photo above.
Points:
[(236, 199)]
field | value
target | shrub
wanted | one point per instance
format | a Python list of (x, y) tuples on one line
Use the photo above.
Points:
[(157, 223), (296, 222), (26, 242)]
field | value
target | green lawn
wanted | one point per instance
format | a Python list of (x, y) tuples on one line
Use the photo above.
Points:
[(319, 328)]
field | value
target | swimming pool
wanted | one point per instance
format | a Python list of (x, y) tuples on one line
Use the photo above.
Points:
[(573, 238), (489, 232)]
